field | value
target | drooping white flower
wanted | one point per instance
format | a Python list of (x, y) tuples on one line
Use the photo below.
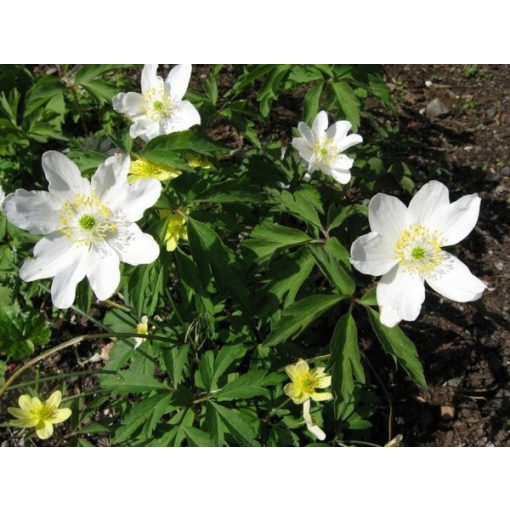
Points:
[(405, 248), (159, 109), (322, 147), (89, 226)]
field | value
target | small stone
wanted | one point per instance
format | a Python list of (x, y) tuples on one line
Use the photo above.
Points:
[(428, 83), (506, 171), (447, 412), (436, 108), (499, 266), (468, 148)]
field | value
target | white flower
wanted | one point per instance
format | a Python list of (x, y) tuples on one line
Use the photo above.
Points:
[(405, 248), (159, 109), (322, 147), (88, 226)]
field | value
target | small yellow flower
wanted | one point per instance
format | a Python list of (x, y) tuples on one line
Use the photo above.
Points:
[(40, 415), (197, 161), (142, 169), (142, 328), (175, 229), (305, 382)]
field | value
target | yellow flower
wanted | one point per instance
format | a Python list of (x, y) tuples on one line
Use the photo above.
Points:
[(305, 382), (142, 328), (40, 415), (175, 229), (197, 161), (142, 169)]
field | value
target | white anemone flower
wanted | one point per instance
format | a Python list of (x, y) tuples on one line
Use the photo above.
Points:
[(89, 226), (405, 248), (159, 109), (322, 147)]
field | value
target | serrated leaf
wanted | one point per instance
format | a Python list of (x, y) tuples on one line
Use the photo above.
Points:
[(345, 360), (245, 386), (397, 344), (237, 427), (299, 316)]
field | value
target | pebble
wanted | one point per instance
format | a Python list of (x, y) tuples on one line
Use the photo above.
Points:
[(499, 266), (436, 108)]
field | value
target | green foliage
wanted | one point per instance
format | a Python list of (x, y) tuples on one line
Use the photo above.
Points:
[(261, 280)]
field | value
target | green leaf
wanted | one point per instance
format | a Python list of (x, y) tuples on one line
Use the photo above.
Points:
[(158, 148), (311, 103), (333, 270), (236, 426), (197, 437), (345, 358), (304, 204), (225, 358), (175, 360), (267, 238), (348, 102), (128, 381), (245, 386), (299, 316), (206, 367), (369, 298), (208, 250), (398, 345)]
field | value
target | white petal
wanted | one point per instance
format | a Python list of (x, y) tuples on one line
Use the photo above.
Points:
[(455, 221), (320, 124), (341, 176), (133, 246), (103, 270), (455, 281), (63, 175), (146, 129), (129, 104), (183, 117), (111, 176), (310, 425), (306, 132), (303, 147), (372, 254), (35, 211), (388, 216), (150, 77), (339, 130), (63, 288), (349, 141), (131, 200), (50, 253), (178, 79), (403, 292), (427, 201), (342, 162)]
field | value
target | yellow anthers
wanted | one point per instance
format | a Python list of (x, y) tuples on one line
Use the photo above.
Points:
[(197, 161), (419, 250), (325, 151), (32, 413), (85, 219), (176, 229), (142, 169), (305, 382), (158, 104), (142, 328)]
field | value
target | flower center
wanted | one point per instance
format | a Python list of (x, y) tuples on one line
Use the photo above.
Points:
[(158, 104), (86, 220), (419, 250), (44, 413), (309, 383), (325, 151)]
